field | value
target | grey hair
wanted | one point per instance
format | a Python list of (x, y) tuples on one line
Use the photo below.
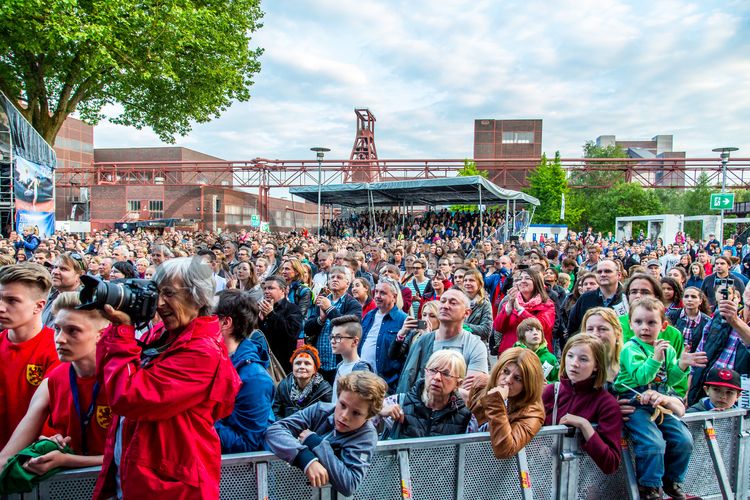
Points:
[(164, 249), (342, 270), (391, 283), (195, 274)]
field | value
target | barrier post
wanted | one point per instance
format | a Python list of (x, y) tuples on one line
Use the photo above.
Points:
[(404, 469), (713, 450), (742, 482), (460, 471), (630, 476), (524, 475), (566, 469), (261, 480)]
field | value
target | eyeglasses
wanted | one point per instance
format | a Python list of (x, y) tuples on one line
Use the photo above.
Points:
[(444, 374), (170, 292), (335, 339)]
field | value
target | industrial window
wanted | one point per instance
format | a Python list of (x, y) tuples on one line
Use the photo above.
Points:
[(134, 205), (156, 207), (518, 137)]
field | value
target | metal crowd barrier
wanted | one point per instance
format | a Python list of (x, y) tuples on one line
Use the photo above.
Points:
[(551, 467)]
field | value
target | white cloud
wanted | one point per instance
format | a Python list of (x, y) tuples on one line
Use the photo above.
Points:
[(428, 69)]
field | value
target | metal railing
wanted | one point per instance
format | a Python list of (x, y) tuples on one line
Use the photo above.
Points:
[(552, 466)]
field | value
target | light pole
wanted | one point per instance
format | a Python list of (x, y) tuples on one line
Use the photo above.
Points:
[(724, 160), (320, 152)]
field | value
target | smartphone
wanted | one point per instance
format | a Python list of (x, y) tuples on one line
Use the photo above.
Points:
[(723, 284), (325, 291), (421, 324)]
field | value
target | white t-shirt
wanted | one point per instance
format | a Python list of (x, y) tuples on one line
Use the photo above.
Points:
[(343, 369), (369, 348), (471, 346)]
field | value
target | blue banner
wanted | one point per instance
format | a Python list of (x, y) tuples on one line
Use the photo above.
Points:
[(43, 223)]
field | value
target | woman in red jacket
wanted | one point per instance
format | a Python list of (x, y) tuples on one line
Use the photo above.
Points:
[(526, 299), (166, 396), (580, 399)]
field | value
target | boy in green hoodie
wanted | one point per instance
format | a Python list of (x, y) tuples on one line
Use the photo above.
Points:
[(531, 336)]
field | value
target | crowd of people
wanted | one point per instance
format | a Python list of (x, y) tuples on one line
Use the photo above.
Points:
[(316, 349)]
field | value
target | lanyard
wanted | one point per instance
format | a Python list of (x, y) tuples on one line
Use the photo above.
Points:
[(83, 419)]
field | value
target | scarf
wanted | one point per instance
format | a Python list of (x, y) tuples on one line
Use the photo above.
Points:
[(297, 395), (532, 302)]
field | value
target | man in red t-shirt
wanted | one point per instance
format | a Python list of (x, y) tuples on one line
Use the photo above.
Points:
[(27, 349), (69, 400)]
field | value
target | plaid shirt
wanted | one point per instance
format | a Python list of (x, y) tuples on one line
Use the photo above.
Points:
[(690, 325), (726, 358), (323, 345)]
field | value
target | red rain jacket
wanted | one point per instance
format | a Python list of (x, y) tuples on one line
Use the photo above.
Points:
[(169, 445)]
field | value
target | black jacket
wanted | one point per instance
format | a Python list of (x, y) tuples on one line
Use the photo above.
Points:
[(282, 329), (420, 421), (680, 323), (587, 301), (283, 406)]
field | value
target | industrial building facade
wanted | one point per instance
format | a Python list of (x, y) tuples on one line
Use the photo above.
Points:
[(513, 140)]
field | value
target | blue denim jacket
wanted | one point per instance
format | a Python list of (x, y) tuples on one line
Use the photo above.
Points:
[(387, 368)]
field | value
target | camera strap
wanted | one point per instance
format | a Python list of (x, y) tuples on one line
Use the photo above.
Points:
[(84, 420)]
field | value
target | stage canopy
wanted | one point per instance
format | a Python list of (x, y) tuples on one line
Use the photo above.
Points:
[(473, 190)]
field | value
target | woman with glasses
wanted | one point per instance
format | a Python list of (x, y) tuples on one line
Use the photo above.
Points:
[(165, 397), (304, 386), (433, 407)]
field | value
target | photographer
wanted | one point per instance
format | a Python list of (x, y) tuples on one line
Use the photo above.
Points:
[(166, 397)]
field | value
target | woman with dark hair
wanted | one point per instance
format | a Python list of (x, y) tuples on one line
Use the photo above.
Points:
[(122, 270), (243, 430), (304, 386), (672, 291), (527, 298), (246, 280), (692, 318), (585, 282), (696, 275), (361, 291)]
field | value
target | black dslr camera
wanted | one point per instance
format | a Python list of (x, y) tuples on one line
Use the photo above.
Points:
[(135, 297)]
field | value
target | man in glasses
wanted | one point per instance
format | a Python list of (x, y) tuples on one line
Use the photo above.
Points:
[(420, 285), (609, 294), (380, 327)]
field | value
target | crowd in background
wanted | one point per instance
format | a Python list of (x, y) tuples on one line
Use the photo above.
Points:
[(315, 349)]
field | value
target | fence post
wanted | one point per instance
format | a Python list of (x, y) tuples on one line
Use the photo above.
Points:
[(742, 482), (566, 469), (261, 480), (713, 450), (460, 471), (524, 475), (630, 476), (403, 465)]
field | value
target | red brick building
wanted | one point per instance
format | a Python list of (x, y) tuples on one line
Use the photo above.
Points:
[(509, 139)]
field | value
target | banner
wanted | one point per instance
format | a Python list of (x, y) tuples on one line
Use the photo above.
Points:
[(33, 186), (43, 223)]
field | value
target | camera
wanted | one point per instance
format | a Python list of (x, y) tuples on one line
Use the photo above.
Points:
[(421, 324), (135, 297), (724, 284)]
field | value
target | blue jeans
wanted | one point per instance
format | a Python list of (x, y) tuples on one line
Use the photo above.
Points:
[(661, 451)]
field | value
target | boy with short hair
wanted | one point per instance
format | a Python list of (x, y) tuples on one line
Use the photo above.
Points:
[(27, 348), (531, 336), (661, 442), (723, 387), (346, 334), (308, 438)]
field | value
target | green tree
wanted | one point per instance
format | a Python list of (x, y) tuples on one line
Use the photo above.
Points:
[(468, 170), (163, 65), (549, 183), (623, 199)]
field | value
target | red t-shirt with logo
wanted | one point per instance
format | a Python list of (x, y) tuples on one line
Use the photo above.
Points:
[(23, 366), (63, 417)]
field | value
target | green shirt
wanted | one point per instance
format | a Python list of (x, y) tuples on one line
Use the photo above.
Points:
[(639, 368), (550, 365)]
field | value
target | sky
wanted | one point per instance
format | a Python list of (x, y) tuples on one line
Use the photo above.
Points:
[(428, 69)]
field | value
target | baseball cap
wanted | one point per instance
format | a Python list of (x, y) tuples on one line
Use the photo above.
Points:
[(653, 262), (724, 377)]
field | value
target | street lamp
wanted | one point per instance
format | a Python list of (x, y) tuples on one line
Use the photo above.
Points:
[(724, 160), (320, 154)]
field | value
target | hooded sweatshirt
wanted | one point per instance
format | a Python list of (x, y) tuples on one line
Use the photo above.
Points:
[(243, 430)]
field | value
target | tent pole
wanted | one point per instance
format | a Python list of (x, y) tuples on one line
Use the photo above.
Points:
[(481, 218), (514, 217), (507, 218)]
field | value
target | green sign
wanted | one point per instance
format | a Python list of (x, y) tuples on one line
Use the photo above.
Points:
[(722, 201), (255, 220), (264, 228)]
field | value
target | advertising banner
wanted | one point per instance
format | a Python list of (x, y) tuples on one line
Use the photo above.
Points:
[(33, 186), (43, 223)]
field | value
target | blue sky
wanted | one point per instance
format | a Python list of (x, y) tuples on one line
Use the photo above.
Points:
[(428, 69)]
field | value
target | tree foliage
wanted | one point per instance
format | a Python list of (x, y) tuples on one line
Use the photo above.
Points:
[(548, 183), (468, 170), (164, 64)]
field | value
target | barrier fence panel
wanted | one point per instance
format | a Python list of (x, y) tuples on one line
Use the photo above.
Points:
[(464, 467)]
